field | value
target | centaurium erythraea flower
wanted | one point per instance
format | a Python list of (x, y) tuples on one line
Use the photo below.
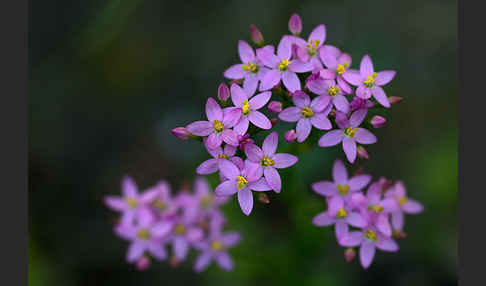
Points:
[(249, 109), (307, 113), (349, 133), (207, 201), (308, 51), (337, 64), (251, 69), (328, 88), (160, 199), (406, 205), (219, 154), (242, 182), (269, 161), (370, 82), (218, 127)]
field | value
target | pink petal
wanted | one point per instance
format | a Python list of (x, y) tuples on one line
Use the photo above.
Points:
[(270, 143), (319, 103), (273, 179), (335, 52), (202, 261), (180, 247), (363, 92), (284, 48), (397, 220), (267, 57), (366, 66), (384, 77), (344, 58), (207, 167), (356, 219), (259, 120), (115, 203), (303, 129), (250, 84), (387, 245), (253, 153), (412, 207), (380, 96), (366, 253), (246, 52), (325, 188), (354, 238), (259, 100), (328, 57), (363, 136), (357, 117), (213, 110), (135, 251), (226, 188), (200, 128), (353, 77), (323, 219), (230, 239), (214, 140), (238, 95), (230, 137), (300, 66), (383, 225), (284, 160), (235, 72), (357, 183), (301, 99), (229, 170), (331, 138), (341, 229), (271, 79), (319, 34), (290, 114), (343, 85), (317, 86), (129, 188), (242, 126), (157, 251), (229, 150), (231, 117), (349, 147), (224, 261), (335, 203), (259, 185), (341, 103), (161, 229), (245, 199), (320, 121), (291, 81)]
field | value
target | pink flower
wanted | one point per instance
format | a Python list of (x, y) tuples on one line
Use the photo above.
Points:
[(307, 113), (251, 69), (337, 64), (370, 82), (268, 162), (406, 205), (307, 52), (248, 108), (242, 182), (341, 216), (328, 88), (290, 136), (219, 154), (217, 128), (349, 133)]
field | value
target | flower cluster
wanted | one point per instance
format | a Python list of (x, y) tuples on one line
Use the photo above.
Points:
[(378, 214), (153, 219)]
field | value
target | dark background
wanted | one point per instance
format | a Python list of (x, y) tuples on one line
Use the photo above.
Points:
[(109, 79)]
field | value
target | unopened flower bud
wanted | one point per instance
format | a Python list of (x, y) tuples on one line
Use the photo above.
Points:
[(256, 35), (275, 106), (143, 263), (358, 171), (395, 99), (349, 254), (181, 133), (290, 136), (243, 140), (223, 92), (263, 198), (378, 121), (174, 262), (362, 153), (273, 121), (398, 234), (295, 24)]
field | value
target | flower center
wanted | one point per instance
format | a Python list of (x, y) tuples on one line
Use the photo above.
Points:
[(370, 82), (143, 234), (284, 65), (341, 213), (218, 126), (216, 246), (241, 182), (376, 208), (267, 161), (206, 201), (332, 91), (159, 204), (223, 156), (370, 235), (251, 67), (350, 131), (245, 109), (341, 68), (342, 189), (402, 200), (132, 202), (312, 47), (307, 112), (179, 229)]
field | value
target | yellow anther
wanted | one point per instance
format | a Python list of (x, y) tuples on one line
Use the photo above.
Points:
[(284, 65), (241, 183), (376, 208), (250, 67), (370, 82), (332, 91), (143, 234), (350, 131), (267, 161), (312, 47), (370, 235), (402, 200), (206, 201), (218, 126), (159, 204), (341, 68), (245, 109), (307, 112), (341, 213), (223, 156), (216, 246), (342, 189), (179, 229), (132, 203)]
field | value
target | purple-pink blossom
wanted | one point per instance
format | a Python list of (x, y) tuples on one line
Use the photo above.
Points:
[(307, 52)]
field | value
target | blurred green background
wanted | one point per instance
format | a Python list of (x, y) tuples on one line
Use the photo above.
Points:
[(109, 79)]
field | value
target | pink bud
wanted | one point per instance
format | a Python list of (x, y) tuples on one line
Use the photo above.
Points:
[(243, 140), (273, 121), (395, 99), (223, 92), (295, 24), (181, 133), (143, 263), (349, 254), (398, 234), (362, 153), (290, 136), (256, 35), (263, 198), (378, 121), (275, 106)]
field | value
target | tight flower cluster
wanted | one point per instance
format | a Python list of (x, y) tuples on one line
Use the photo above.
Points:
[(154, 219), (377, 214)]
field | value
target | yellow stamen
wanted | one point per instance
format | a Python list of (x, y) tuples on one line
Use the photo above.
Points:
[(376, 208), (179, 229), (132, 203), (342, 189), (250, 67), (370, 235), (307, 112), (332, 91), (341, 68), (245, 109), (341, 213), (216, 246), (223, 156), (312, 47), (350, 131), (143, 234), (206, 201), (402, 200), (218, 126), (241, 183), (284, 65), (370, 82), (267, 161), (159, 204)]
